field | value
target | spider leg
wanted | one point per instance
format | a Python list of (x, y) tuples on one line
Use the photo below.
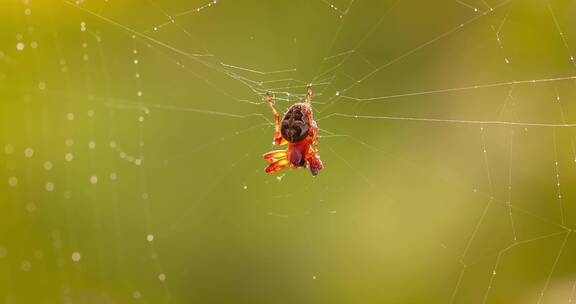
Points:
[(277, 135), (314, 161), (309, 95), (273, 156), (277, 165)]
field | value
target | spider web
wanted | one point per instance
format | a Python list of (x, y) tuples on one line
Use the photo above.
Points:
[(133, 133)]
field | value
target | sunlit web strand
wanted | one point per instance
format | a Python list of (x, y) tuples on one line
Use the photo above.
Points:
[(339, 54), (509, 187), (568, 49), (262, 83), (465, 264), (334, 37), (541, 296), (349, 165), (92, 130), (282, 80), (246, 81), (336, 9), (452, 121), (145, 197), (557, 179), (147, 106), (561, 33), (481, 86), (71, 234), (143, 181), (572, 293), (445, 34), (256, 71), (208, 82), (171, 18), (487, 196), (195, 57), (482, 217), (515, 244), (475, 9), (416, 49), (512, 246), (358, 44), (172, 21), (299, 87), (368, 34), (497, 32), (340, 26), (212, 85)]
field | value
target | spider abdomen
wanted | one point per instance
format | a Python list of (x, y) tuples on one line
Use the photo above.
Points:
[(295, 124)]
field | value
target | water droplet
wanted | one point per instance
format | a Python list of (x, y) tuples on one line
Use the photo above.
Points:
[(12, 181), (8, 149), (31, 207), (76, 256), (25, 266), (29, 152), (48, 165)]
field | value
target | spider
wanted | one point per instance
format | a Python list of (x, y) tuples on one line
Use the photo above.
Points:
[(299, 130)]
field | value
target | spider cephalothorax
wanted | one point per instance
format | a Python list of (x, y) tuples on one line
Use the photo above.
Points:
[(299, 130)]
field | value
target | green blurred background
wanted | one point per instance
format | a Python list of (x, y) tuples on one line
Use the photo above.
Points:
[(132, 135)]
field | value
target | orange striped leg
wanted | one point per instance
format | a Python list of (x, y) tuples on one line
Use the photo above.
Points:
[(273, 156), (277, 165)]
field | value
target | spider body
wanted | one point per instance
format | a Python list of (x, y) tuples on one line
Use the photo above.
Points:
[(299, 131), (295, 124)]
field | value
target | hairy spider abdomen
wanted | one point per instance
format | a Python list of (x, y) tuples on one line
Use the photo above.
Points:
[(295, 125)]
